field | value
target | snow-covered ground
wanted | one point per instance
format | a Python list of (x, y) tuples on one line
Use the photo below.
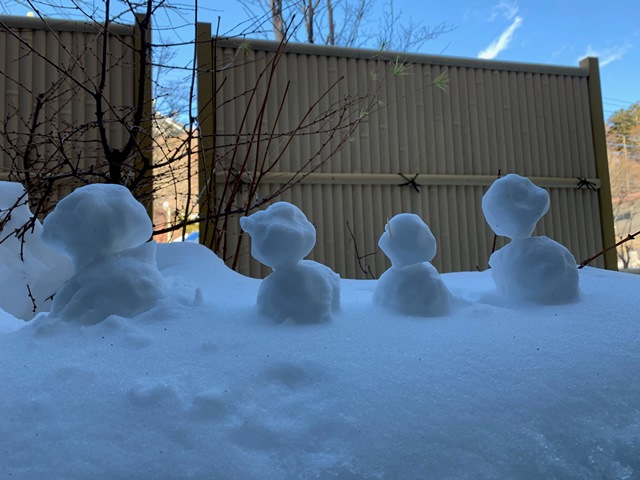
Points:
[(202, 385)]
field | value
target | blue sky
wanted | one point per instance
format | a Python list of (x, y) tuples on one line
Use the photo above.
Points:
[(536, 31), (550, 31)]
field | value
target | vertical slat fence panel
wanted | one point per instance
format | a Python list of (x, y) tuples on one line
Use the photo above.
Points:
[(38, 59), (532, 120)]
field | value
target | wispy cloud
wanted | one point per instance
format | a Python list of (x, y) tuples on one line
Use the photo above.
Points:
[(559, 51), (505, 8), (607, 55), (502, 42)]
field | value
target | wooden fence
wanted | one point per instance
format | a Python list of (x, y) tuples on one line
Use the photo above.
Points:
[(45, 114), (417, 149)]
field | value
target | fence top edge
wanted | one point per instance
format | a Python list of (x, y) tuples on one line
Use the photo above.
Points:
[(369, 54), (60, 25)]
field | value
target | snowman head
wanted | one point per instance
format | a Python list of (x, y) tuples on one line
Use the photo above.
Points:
[(280, 235), (407, 240), (95, 221), (513, 205)]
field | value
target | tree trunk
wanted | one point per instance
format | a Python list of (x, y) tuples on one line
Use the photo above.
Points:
[(276, 17), (331, 37), (309, 10)]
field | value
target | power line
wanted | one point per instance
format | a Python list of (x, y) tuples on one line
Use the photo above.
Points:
[(625, 102)]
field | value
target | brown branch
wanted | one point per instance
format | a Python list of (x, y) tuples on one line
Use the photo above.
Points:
[(364, 267), (628, 238)]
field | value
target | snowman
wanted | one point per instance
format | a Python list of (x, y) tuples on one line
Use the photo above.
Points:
[(412, 285), (530, 269), (105, 233), (300, 290)]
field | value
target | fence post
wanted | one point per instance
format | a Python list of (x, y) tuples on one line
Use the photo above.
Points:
[(206, 124), (602, 165)]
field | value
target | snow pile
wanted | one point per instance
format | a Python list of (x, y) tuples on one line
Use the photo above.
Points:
[(103, 229), (30, 271), (531, 269), (412, 285), (300, 290)]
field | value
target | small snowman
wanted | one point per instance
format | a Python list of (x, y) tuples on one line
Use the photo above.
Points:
[(300, 290), (412, 285), (532, 269), (105, 233)]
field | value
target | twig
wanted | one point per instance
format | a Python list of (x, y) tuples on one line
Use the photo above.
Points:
[(630, 237), (360, 258), (33, 300)]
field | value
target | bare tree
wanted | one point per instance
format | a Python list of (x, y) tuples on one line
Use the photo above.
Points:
[(350, 23), (157, 152), (155, 155), (47, 149)]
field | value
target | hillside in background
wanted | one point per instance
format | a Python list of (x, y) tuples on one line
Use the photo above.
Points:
[(623, 143)]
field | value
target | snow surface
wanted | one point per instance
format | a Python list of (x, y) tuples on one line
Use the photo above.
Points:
[(215, 390), (201, 385)]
